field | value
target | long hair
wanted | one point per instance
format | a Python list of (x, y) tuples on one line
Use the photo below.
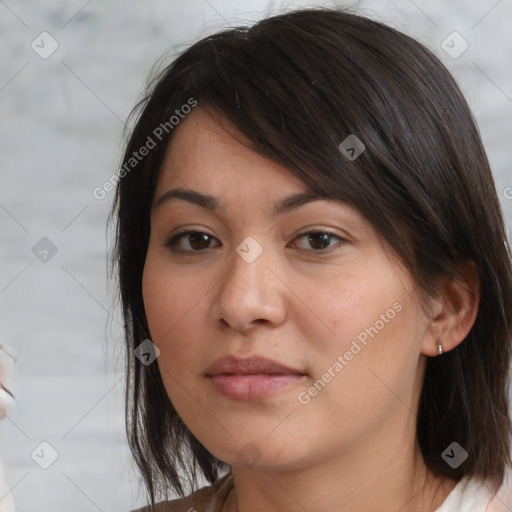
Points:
[(296, 86)]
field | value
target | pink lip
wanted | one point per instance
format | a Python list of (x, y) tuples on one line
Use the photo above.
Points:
[(252, 377)]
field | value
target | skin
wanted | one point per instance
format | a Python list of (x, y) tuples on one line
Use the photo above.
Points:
[(353, 446)]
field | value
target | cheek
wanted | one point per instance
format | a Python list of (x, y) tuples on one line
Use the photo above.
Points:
[(379, 351), (168, 295), (166, 303), (339, 308), (171, 312), (371, 328), (172, 307)]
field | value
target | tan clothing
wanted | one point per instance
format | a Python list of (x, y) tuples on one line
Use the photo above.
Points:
[(207, 499), (467, 496)]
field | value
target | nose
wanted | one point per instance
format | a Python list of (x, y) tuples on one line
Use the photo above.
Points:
[(250, 294)]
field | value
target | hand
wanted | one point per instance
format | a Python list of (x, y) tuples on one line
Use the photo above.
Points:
[(7, 362)]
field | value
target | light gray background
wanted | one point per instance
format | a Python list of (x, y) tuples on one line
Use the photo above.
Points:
[(61, 136)]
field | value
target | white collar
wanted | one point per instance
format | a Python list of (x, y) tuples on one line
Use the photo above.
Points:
[(467, 496)]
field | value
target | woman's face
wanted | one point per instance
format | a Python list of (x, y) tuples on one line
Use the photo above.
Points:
[(334, 309)]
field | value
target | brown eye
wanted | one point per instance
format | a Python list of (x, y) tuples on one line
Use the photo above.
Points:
[(199, 241), (319, 241), (190, 241)]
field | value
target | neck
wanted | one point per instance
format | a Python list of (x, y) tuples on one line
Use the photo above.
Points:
[(362, 478)]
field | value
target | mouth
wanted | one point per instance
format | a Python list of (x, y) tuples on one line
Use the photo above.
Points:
[(251, 378)]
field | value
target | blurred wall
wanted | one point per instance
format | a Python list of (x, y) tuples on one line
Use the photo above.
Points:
[(70, 73)]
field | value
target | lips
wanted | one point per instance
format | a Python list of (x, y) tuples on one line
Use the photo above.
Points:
[(253, 365), (252, 377)]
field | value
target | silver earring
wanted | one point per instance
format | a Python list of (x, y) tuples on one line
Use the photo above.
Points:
[(439, 349)]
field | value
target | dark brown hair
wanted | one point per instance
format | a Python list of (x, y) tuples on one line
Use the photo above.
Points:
[(295, 86)]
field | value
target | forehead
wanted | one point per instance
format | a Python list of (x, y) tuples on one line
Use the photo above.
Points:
[(207, 151), (208, 163)]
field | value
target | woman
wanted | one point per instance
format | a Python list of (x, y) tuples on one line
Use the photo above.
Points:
[(314, 276)]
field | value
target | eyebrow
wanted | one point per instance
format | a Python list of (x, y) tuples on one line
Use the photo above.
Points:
[(209, 202)]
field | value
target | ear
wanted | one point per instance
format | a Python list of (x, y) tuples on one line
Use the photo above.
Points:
[(454, 311)]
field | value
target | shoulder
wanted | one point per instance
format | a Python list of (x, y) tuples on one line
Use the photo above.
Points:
[(202, 500), (198, 501), (469, 495)]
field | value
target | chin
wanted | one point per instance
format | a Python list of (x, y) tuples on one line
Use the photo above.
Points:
[(260, 454)]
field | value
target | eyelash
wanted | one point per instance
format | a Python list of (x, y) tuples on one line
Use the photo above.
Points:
[(173, 241)]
